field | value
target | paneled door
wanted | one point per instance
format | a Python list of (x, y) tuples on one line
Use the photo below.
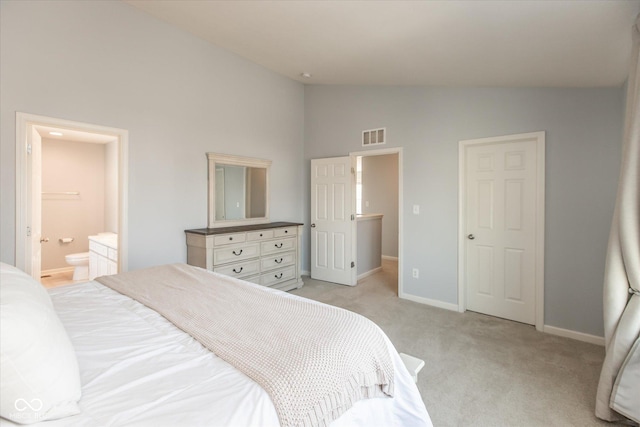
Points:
[(501, 225), (332, 224)]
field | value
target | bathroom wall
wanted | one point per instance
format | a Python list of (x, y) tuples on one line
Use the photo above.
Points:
[(71, 166), (380, 190)]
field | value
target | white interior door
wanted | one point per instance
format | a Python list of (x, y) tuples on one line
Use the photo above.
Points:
[(501, 227), (332, 224), (34, 151)]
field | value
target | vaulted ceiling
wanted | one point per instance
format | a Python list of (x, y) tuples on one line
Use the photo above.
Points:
[(441, 43)]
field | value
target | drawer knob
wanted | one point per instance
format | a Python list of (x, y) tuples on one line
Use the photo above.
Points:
[(278, 276), (239, 253), (278, 261), (230, 238), (239, 271), (260, 234), (278, 245), (286, 231)]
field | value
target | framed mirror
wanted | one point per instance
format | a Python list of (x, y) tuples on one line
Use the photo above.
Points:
[(238, 190)]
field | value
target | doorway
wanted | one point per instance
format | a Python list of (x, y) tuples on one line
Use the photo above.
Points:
[(501, 227), (334, 252), (377, 203), (30, 130)]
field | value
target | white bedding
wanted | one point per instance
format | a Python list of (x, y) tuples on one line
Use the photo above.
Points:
[(138, 369)]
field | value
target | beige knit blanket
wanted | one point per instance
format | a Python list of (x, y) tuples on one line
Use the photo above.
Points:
[(314, 360)]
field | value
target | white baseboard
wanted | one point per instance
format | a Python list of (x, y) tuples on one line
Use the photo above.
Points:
[(580, 336), (431, 302), (305, 273), (369, 273), (56, 271), (390, 258)]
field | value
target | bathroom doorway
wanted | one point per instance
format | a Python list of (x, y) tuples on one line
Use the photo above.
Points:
[(378, 196), (71, 184)]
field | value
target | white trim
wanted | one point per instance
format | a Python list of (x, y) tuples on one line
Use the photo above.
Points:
[(381, 152), (23, 217), (390, 258), (431, 302), (305, 273), (369, 273), (540, 212), (580, 336), (56, 270)]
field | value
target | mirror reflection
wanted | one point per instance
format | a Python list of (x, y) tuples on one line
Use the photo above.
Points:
[(240, 192)]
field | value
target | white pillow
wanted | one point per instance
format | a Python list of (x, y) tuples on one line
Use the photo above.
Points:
[(39, 376)]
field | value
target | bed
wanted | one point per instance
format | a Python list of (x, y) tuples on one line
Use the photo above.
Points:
[(137, 368)]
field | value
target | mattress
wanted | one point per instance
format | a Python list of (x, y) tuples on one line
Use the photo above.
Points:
[(138, 369)]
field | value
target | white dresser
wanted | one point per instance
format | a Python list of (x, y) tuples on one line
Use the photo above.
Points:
[(266, 254), (103, 255)]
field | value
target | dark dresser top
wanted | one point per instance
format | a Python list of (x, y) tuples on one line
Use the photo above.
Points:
[(241, 228)]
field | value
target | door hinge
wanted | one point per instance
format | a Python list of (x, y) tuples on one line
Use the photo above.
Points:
[(28, 231), (28, 148), (352, 217), (353, 264)]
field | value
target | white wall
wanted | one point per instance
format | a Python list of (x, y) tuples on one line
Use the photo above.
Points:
[(584, 133), (380, 189), (106, 63), (68, 167)]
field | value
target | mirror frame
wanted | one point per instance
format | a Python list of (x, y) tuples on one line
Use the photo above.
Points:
[(228, 159)]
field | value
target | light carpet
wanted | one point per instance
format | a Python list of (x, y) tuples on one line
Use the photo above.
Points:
[(479, 370)]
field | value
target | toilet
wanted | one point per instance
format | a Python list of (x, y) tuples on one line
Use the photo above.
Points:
[(81, 263)]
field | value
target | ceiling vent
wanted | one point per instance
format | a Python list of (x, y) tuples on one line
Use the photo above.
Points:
[(374, 137)]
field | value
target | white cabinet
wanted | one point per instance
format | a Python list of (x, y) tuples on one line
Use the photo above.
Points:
[(103, 255), (266, 254)]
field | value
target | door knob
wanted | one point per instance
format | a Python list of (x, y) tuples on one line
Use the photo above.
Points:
[(44, 240), (471, 237), (313, 226)]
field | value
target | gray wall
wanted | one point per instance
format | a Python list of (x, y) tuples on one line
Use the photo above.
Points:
[(380, 189), (106, 63), (584, 132)]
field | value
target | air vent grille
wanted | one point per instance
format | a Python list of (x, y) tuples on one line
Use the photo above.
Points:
[(374, 137)]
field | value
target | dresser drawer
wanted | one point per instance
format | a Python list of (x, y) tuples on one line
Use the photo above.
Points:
[(278, 260), (279, 245), (285, 232), (252, 279), (229, 239), (113, 254), (240, 269), (235, 253), (278, 276), (259, 235)]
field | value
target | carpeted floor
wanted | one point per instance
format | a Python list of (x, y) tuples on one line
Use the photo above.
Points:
[(479, 370)]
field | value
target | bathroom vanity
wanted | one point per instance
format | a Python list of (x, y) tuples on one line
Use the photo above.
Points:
[(103, 255)]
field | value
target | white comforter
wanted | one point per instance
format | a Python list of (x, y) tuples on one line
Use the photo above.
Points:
[(138, 369)]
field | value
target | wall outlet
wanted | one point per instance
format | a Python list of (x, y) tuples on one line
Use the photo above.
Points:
[(416, 209), (416, 273)]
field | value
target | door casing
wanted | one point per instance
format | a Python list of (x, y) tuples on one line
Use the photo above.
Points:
[(24, 124), (381, 152), (539, 138)]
